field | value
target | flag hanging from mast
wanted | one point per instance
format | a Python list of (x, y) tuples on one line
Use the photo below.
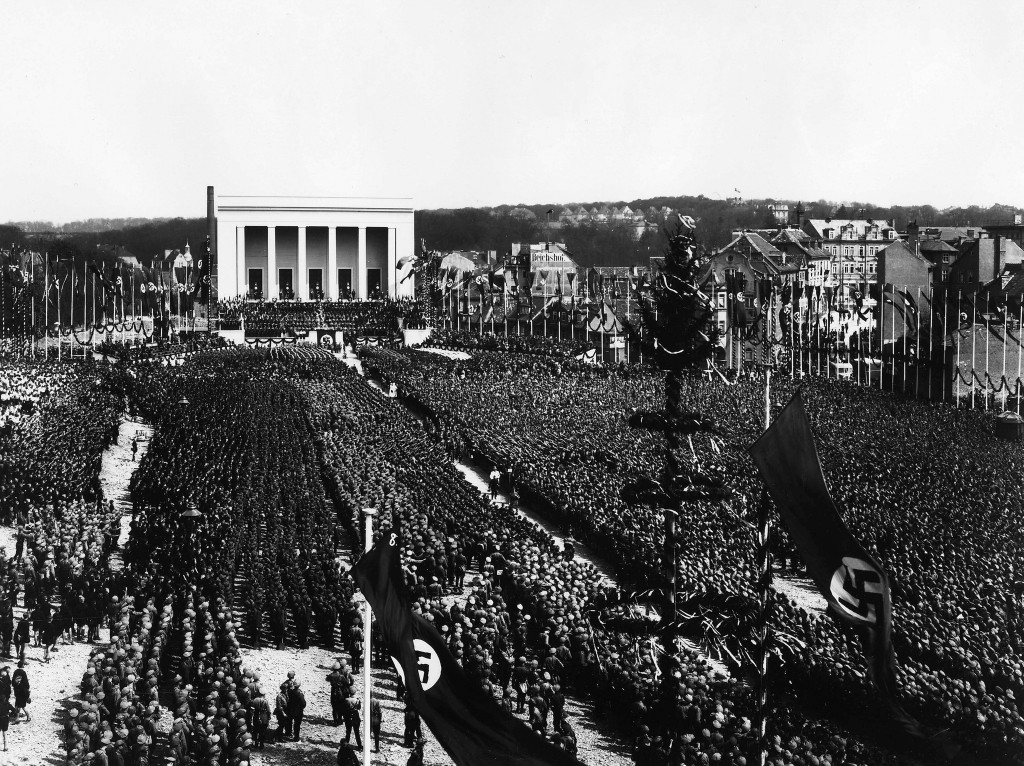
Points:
[(467, 722), (853, 583)]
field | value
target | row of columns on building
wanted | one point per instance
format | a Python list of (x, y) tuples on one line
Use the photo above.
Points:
[(332, 290)]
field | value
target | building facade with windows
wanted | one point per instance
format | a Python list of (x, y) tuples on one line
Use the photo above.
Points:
[(853, 246), (305, 248), (751, 257)]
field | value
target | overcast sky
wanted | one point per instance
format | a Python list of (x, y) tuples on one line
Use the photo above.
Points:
[(120, 109)]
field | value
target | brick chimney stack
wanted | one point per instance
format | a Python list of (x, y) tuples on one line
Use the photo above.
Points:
[(997, 256), (913, 235)]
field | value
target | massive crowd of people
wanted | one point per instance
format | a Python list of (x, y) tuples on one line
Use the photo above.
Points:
[(57, 582), (58, 419), (271, 318), (261, 457), (521, 344), (531, 627), (924, 486)]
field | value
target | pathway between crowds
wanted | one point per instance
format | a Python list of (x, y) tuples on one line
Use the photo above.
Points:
[(460, 355), (319, 738), (116, 471), (56, 684)]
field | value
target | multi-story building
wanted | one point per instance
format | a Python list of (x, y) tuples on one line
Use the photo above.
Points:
[(853, 246), (553, 269), (801, 249), (1011, 230), (635, 220), (986, 263), (904, 268), (753, 257), (781, 212)]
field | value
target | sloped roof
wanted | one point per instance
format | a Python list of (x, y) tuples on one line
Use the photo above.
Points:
[(522, 212), (817, 254), (860, 225), (936, 246), (899, 247), (462, 261), (749, 243), (1015, 287), (950, 233), (801, 240), (758, 243), (796, 236)]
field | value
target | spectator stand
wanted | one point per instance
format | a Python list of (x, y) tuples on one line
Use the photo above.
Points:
[(364, 323)]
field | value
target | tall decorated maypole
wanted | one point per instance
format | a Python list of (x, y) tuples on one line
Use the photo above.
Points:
[(679, 321)]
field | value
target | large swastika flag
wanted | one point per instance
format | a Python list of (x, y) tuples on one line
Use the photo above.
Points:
[(467, 722), (851, 580), (855, 585)]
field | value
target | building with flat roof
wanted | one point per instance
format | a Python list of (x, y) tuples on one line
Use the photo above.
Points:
[(309, 247)]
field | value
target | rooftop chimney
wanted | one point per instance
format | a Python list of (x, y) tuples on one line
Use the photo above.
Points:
[(913, 234), (997, 256), (211, 229)]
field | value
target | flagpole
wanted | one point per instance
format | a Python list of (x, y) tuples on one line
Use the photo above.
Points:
[(906, 329), (32, 287), (368, 514), (931, 336), (1020, 348), (57, 278), (957, 403), (892, 327), (945, 330), (974, 348), (1006, 335), (764, 553), (71, 306), (46, 309), (629, 289), (987, 332)]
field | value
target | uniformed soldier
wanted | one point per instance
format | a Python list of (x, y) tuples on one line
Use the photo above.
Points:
[(376, 719), (412, 726), (557, 706), (339, 690), (352, 719)]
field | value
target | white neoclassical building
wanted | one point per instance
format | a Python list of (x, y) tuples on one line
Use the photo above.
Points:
[(302, 247)]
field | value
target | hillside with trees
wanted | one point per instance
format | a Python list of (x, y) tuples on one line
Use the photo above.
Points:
[(498, 227), (598, 245)]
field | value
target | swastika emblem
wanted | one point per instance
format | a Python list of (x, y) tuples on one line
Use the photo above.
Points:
[(857, 588), (428, 664)]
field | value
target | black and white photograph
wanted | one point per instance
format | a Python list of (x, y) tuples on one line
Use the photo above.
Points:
[(549, 383)]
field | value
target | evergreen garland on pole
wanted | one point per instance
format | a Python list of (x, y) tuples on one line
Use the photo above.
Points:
[(680, 331)]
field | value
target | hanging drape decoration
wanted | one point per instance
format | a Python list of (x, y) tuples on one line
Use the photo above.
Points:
[(268, 342), (78, 339)]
